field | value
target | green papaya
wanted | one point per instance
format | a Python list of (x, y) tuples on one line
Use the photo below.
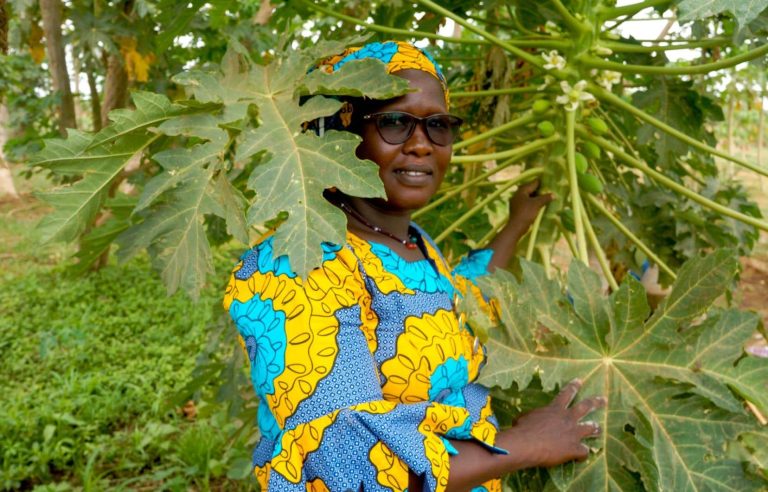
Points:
[(591, 150), (540, 106), (590, 183), (581, 163), (546, 128), (597, 125)]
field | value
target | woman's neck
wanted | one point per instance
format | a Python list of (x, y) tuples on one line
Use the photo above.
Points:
[(395, 222)]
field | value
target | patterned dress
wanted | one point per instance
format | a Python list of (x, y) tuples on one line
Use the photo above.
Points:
[(362, 370)]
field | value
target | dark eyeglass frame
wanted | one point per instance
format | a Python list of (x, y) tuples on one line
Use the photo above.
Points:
[(454, 122)]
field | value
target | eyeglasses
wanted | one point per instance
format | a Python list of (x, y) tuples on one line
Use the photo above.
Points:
[(395, 127)]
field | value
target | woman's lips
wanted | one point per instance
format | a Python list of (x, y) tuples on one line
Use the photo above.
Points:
[(413, 177)]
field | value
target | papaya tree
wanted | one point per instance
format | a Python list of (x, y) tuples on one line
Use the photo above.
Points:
[(551, 91)]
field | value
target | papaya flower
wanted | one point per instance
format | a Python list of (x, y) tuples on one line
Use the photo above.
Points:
[(554, 60), (608, 78), (573, 95), (548, 79)]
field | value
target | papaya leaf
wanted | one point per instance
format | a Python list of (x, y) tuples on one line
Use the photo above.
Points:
[(174, 231), (744, 11), (675, 381), (99, 160), (299, 166)]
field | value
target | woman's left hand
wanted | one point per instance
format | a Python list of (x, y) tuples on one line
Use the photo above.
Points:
[(525, 204)]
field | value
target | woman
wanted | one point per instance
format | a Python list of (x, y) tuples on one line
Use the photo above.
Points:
[(363, 371)]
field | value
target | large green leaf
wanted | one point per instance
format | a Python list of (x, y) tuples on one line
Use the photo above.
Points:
[(674, 381), (298, 165), (745, 11), (98, 160)]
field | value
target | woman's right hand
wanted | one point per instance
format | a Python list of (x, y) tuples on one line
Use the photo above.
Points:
[(555, 434), (547, 436)]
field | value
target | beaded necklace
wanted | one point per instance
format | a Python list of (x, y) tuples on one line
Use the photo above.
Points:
[(410, 243)]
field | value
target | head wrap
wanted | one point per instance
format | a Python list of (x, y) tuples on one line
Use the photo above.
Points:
[(396, 55)]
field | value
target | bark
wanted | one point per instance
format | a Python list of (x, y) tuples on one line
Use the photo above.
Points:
[(116, 83), (761, 130), (57, 62), (3, 27), (7, 188), (94, 90), (115, 87), (265, 13)]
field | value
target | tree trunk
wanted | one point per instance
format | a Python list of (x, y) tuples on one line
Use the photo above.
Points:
[(94, 90), (115, 87), (7, 188), (6, 178), (3, 27), (52, 12), (761, 130)]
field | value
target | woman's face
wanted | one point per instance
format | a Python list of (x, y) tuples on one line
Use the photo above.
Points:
[(413, 170)]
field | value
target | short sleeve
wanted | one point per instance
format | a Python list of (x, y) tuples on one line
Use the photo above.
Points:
[(324, 420)]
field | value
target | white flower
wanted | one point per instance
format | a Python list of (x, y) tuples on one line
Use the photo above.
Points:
[(573, 96), (551, 27), (554, 60), (608, 78), (548, 79)]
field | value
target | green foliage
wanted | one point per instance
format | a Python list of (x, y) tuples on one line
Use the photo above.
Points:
[(244, 114), (675, 380), (95, 369), (745, 11)]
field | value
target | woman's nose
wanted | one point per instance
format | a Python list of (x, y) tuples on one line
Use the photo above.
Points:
[(418, 143)]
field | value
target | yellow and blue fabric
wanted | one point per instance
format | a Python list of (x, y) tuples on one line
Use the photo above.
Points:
[(396, 55), (362, 370)]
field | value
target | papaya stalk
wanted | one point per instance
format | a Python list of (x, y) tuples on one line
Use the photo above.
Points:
[(529, 174), (599, 253), (526, 149), (479, 206), (494, 92), (581, 241), (611, 98), (408, 33), (665, 181), (629, 235), (629, 10), (574, 24), (595, 62), (620, 47), (534, 235), (517, 122), (532, 59)]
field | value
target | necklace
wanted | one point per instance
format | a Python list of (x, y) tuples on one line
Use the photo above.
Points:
[(409, 243)]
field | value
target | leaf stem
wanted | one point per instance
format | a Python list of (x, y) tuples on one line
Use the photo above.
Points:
[(599, 252), (567, 236), (629, 235), (525, 149), (574, 24), (595, 62), (481, 204), (495, 92), (530, 173), (621, 47), (532, 59), (660, 178), (521, 121), (614, 12), (534, 235), (576, 204), (388, 30), (619, 102)]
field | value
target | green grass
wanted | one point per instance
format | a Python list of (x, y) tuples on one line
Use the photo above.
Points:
[(96, 370)]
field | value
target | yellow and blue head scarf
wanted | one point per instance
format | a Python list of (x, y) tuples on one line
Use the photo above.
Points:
[(396, 55)]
